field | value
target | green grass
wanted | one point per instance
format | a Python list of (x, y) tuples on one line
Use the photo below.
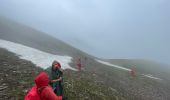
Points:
[(78, 87)]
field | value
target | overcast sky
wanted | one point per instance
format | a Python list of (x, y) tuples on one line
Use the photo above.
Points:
[(104, 28)]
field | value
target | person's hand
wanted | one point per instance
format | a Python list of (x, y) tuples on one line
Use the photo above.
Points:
[(59, 79), (53, 81)]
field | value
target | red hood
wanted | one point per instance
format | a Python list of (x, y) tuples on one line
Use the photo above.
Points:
[(42, 80)]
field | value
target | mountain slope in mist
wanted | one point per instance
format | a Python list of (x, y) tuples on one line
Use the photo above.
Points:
[(101, 81), (15, 32), (144, 66)]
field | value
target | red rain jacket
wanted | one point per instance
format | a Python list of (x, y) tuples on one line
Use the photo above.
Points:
[(42, 91)]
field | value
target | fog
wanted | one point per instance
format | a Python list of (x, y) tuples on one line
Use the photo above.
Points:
[(103, 28)]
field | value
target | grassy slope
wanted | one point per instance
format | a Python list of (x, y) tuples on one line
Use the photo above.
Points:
[(18, 75), (104, 83), (81, 86)]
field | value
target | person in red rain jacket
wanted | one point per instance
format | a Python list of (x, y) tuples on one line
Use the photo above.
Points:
[(79, 65), (45, 91), (132, 72)]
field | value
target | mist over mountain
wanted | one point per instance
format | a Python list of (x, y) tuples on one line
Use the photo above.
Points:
[(15, 32), (117, 29), (100, 79)]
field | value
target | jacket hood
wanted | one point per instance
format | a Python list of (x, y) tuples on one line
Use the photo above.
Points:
[(56, 63), (42, 80)]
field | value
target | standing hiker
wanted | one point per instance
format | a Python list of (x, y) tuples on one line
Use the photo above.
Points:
[(56, 80), (133, 72), (79, 65)]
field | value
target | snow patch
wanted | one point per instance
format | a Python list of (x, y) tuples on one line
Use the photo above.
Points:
[(151, 76), (123, 68), (39, 58), (109, 64)]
